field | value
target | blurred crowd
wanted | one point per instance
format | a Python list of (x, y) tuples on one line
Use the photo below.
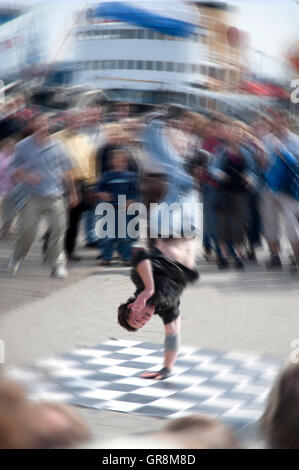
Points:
[(246, 177)]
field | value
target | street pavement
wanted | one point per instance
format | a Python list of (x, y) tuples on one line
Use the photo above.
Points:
[(253, 311)]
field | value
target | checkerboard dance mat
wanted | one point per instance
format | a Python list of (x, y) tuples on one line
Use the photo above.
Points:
[(230, 386)]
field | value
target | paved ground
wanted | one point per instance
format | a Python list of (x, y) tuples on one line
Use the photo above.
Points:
[(254, 311), (33, 280)]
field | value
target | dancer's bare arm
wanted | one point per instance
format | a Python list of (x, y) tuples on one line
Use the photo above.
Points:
[(144, 269), (172, 332)]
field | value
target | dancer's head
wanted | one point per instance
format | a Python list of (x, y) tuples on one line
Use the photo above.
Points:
[(132, 321)]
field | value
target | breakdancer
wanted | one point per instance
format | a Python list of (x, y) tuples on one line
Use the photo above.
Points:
[(160, 276), (162, 273)]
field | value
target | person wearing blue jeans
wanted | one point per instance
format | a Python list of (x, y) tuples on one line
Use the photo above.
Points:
[(113, 184), (123, 245), (89, 228)]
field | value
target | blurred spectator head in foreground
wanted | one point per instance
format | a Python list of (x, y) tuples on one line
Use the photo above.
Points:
[(36, 425), (199, 432), (280, 422), (191, 432)]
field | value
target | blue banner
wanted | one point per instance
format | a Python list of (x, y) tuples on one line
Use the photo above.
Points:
[(130, 14)]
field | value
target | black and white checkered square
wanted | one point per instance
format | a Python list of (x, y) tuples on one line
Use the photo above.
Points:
[(231, 386)]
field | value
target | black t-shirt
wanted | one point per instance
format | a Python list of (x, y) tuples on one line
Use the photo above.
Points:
[(170, 277)]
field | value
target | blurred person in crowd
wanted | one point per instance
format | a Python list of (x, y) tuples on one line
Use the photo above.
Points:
[(182, 135), (211, 195), (42, 166), (80, 149), (281, 127), (114, 137), (93, 127), (8, 209), (280, 196), (26, 424), (207, 187), (119, 181), (253, 218), (280, 421), (190, 432), (92, 124), (234, 172), (210, 140)]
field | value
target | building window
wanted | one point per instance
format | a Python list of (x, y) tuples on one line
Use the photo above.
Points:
[(140, 65), (221, 74), (160, 36), (149, 65), (212, 73), (178, 67), (140, 34), (124, 34), (150, 34), (202, 101), (134, 34)]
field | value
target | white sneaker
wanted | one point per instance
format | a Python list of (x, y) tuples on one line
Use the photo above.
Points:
[(13, 266), (59, 272)]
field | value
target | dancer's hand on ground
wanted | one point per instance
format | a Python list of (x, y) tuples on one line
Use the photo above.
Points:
[(160, 375), (151, 375)]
